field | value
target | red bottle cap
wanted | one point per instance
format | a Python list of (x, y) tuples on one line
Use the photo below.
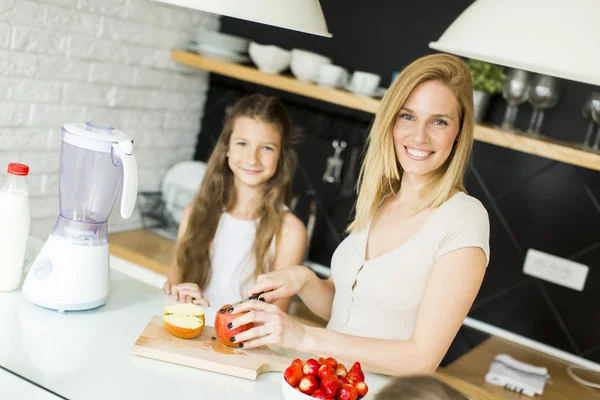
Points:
[(18, 169)]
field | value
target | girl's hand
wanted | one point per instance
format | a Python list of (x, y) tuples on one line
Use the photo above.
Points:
[(280, 284), (186, 293), (271, 326)]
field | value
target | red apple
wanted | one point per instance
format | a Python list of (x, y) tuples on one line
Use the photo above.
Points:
[(225, 334)]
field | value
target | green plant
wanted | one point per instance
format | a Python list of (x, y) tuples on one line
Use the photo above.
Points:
[(486, 77)]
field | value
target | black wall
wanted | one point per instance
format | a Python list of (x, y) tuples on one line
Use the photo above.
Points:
[(533, 202)]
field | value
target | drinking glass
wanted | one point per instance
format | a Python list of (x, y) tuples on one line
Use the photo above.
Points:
[(543, 94), (514, 90)]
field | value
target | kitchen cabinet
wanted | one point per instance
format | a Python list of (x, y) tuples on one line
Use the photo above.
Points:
[(543, 147)]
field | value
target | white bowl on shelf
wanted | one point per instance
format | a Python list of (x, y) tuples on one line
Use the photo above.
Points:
[(305, 64), (269, 59)]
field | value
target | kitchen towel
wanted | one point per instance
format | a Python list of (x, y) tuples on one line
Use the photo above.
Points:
[(517, 376)]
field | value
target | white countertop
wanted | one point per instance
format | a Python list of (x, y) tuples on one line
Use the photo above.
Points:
[(87, 355)]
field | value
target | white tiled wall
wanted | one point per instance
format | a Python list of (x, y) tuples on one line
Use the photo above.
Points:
[(103, 60)]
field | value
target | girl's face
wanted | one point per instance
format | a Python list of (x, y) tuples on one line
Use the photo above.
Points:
[(254, 151), (426, 128)]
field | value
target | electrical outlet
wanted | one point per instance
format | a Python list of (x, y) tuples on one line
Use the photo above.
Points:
[(555, 269)]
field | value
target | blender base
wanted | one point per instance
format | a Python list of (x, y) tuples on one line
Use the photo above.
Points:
[(68, 277)]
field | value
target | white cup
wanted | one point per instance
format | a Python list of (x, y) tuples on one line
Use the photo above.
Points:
[(330, 75), (365, 81)]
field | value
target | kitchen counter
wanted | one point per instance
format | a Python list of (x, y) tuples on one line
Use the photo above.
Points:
[(466, 373), (88, 355)]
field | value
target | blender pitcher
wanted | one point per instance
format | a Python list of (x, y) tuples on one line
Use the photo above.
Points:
[(71, 271)]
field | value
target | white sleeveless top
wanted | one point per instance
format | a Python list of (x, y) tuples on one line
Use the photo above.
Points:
[(380, 297), (232, 261)]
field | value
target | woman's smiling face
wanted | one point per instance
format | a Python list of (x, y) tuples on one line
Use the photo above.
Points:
[(426, 128)]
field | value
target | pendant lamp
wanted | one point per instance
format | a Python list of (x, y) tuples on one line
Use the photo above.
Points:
[(298, 15), (560, 38)]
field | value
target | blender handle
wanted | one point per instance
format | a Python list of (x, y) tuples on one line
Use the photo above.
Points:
[(124, 150)]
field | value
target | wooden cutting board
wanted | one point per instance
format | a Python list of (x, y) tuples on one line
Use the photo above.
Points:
[(207, 352)]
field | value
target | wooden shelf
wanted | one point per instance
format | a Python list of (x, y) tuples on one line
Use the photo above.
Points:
[(543, 147)]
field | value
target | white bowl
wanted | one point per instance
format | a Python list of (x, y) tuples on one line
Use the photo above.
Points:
[(269, 59), (221, 40), (289, 393), (305, 64)]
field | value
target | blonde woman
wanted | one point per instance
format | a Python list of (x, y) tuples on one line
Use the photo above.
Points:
[(404, 279), (239, 226)]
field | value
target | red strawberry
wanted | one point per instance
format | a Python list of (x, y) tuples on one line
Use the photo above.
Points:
[(330, 385), (347, 392), (292, 375), (325, 370), (319, 394), (321, 359), (298, 362), (362, 389), (355, 373), (308, 384), (343, 379), (311, 367), (331, 362), (341, 370)]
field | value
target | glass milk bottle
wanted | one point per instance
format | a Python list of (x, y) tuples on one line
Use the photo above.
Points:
[(14, 227)]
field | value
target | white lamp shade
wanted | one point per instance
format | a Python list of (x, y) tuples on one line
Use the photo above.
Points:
[(560, 38), (299, 15)]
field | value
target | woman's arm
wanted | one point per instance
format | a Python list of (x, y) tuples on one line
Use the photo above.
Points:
[(452, 286), (291, 244)]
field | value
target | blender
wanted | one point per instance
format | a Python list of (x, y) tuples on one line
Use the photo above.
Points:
[(71, 270)]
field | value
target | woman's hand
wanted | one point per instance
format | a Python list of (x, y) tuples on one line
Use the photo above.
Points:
[(280, 284), (271, 326), (186, 293)]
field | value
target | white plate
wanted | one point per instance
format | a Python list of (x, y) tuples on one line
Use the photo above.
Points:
[(379, 92), (180, 184), (217, 53)]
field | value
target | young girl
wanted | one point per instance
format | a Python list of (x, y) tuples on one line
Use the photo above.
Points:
[(238, 225), (404, 279)]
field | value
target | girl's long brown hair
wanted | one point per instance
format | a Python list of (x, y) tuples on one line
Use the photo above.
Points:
[(217, 194)]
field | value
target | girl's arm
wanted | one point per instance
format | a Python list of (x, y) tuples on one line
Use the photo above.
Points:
[(291, 244), (452, 286)]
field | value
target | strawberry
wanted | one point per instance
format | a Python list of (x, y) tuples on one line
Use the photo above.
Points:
[(318, 394), (343, 379), (308, 384), (292, 375), (341, 370), (311, 367), (330, 385), (325, 370), (331, 362), (355, 373), (298, 362), (347, 392), (321, 359), (362, 389)]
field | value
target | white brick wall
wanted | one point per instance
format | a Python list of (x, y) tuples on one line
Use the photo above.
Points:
[(105, 60)]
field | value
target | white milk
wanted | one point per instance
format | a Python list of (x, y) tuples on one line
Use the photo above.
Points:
[(15, 221)]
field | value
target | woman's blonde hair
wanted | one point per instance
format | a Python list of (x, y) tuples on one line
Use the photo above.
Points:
[(217, 194), (381, 172), (418, 388)]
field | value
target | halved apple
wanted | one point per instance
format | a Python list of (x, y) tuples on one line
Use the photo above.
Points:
[(184, 320)]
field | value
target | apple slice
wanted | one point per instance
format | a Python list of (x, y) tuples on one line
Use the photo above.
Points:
[(184, 321)]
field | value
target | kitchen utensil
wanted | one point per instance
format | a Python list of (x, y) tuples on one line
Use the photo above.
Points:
[(305, 64), (179, 186), (364, 82), (71, 271), (253, 297), (334, 164), (586, 111), (514, 90), (207, 353), (333, 76), (595, 107), (543, 94)]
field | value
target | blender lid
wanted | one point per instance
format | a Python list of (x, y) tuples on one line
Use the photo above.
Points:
[(93, 136)]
